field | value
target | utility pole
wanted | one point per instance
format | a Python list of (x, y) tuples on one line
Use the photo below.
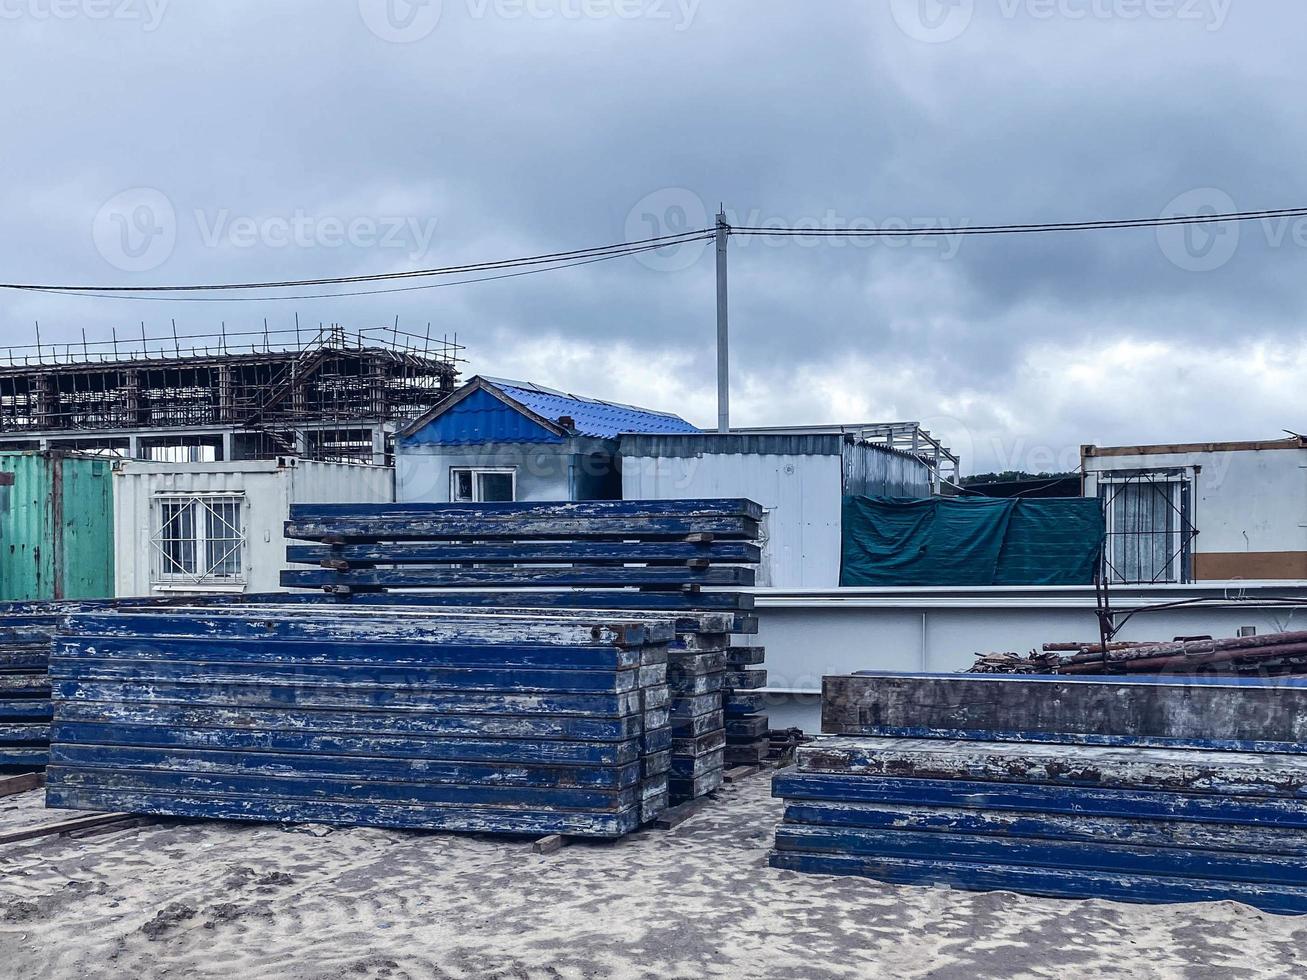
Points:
[(723, 328)]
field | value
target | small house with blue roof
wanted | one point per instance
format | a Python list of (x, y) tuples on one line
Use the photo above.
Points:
[(497, 440)]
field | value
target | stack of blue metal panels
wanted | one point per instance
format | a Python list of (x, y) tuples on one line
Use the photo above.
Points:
[(1144, 790), (567, 556), (24, 691), (747, 742), (371, 716)]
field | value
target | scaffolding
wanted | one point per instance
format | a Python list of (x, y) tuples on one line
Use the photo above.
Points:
[(330, 394)]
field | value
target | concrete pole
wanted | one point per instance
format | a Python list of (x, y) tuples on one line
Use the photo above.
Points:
[(723, 328)]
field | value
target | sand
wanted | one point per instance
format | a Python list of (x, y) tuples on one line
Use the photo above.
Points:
[(250, 900)]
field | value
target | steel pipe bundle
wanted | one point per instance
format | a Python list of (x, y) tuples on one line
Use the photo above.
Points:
[(1275, 654)]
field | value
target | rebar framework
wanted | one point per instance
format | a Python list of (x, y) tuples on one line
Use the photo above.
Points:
[(333, 397)]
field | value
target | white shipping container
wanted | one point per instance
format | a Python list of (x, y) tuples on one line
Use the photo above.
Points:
[(219, 527)]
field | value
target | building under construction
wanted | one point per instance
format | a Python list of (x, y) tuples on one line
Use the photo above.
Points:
[(337, 397)]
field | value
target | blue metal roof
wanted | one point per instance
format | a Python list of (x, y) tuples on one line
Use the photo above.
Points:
[(496, 411), (590, 416), (478, 419)]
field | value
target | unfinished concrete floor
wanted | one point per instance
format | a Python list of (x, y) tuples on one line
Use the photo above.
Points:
[(234, 900)]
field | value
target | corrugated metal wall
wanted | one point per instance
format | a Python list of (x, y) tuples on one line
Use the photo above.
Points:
[(56, 528), (874, 471), (800, 493), (268, 488)]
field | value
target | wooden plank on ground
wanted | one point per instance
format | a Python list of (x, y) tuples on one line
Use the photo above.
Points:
[(62, 827), (13, 785)]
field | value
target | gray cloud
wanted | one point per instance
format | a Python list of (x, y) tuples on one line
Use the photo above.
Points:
[(504, 131)]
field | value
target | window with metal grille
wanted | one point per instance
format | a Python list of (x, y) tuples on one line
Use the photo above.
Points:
[(198, 539), (1150, 530)]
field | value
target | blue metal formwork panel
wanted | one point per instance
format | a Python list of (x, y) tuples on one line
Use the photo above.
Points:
[(382, 717), (1135, 823), (25, 641)]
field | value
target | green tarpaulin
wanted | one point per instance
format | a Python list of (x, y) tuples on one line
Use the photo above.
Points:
[(946, 541)]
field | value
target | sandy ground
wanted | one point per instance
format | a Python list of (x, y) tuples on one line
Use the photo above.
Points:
[(230, 900)]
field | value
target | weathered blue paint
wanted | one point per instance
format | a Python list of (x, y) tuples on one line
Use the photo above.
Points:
[(1051, 826), (1177, 770), (518, 553), (347, 813), (344, 789), (519, 751), (366, 528), (271, 696), (1165, 862), (356, 769), (193, 722), (1051, 883), (16, 760), (1029, 798), (349, 676), (738, 704), (25, 708), (266, 651), (367, 626), (376, 713), (648, 576)]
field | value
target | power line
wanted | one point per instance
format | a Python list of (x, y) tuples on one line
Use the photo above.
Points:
[(1027, 229), (365, 292), (549, 262), (664, 241)]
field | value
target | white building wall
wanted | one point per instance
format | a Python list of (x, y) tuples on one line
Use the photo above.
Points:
[(268, 487), (810, 634), (802, 496), (1249, 506)]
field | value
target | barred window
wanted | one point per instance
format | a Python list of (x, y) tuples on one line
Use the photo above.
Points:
[(198, 539)]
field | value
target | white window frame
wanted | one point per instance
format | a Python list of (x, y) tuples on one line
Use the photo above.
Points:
[(164, 573), (476, 472), (1180, 486)]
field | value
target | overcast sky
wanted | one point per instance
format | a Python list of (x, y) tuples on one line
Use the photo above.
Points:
[(148, 142)]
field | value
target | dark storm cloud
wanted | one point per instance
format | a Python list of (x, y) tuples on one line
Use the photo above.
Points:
[(300, 139)]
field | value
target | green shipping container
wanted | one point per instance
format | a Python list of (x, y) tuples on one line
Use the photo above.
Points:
[(56, 527)]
